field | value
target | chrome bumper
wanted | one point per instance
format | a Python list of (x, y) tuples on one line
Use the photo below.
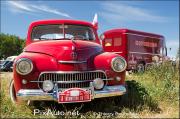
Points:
[(38, 94), (109, 91)]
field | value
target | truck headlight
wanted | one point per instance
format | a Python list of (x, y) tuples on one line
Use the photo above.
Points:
[(118, 64), (24, 66), (48, 85), (98, 83)]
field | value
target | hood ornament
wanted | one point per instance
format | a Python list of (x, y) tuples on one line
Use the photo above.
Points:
[(74, 55), (73, 48)]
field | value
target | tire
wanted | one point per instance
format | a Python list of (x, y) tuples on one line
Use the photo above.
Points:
[(13, 97), (12, 92), (140, 68)]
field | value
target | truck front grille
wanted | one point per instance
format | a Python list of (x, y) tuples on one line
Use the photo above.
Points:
[(79, 79)]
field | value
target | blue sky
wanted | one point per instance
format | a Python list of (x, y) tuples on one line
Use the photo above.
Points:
[(161, 17)]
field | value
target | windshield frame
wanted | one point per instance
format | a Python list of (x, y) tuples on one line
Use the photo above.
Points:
[(64, 32)]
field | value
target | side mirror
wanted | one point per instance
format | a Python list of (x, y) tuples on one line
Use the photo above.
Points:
[(102, 37)]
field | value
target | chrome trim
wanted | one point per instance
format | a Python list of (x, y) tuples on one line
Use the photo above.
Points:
[(38, 94), (72, 72), (34, 94), (144, 53), (71, 62), (36, 81), (117, 52), (70, 77), (121, 59), (109, 91), (23, 59), (144, 35)]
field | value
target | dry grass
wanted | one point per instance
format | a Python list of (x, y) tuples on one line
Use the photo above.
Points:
[(154, 94)]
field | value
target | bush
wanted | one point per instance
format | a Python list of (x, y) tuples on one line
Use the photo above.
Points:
[(10, 45)]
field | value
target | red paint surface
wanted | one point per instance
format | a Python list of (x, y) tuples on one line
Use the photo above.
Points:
[(46, 54)]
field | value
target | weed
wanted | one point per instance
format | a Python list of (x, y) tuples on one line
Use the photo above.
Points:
[(154, 93)]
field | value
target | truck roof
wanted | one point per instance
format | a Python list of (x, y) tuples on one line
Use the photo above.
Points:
[(124, 30), (60, 21)]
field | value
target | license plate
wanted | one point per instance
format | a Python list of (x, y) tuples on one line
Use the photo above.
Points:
[(74, 95)]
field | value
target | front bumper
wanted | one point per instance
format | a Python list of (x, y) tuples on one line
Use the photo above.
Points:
[(38, 94)]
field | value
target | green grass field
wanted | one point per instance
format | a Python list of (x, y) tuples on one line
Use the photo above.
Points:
[(154, 94)]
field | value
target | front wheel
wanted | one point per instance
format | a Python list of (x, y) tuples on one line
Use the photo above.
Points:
[(12, 92), (13, 97)]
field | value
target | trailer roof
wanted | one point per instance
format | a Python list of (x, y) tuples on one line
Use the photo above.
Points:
[(124, 30)]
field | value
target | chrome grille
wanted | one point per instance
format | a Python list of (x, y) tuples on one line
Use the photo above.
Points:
[(71, 76)]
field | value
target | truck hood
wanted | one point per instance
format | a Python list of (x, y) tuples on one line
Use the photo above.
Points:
[(63, 49)]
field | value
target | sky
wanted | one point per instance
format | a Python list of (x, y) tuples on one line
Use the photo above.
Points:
[(160, 17)]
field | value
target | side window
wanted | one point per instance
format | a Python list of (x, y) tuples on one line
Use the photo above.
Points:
[(117, 41), (108, 42)]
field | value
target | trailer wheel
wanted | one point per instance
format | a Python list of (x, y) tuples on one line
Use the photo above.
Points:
[(140, 68), (12, 92)]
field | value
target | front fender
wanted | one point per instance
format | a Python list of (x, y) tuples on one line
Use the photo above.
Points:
[(103, 61), (41, 62)]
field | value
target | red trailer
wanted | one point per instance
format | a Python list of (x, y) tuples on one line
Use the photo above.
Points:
[(140, 49)]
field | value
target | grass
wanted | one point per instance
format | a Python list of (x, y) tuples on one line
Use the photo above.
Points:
[(162, 84), (152, 94)]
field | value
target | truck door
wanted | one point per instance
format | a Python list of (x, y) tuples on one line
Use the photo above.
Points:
[(108, 44)]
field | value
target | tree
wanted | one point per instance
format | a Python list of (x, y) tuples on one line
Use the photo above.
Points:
[(10, 45)]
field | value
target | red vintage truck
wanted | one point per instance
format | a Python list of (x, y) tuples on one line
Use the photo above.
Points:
[(64, 61), (140, 49)]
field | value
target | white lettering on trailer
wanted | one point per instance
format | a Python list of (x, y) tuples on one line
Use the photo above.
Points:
[(145, 43)]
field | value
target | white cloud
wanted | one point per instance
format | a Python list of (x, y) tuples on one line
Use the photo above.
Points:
[(121, 12), (50, 10), (174, 45), (18, 6)]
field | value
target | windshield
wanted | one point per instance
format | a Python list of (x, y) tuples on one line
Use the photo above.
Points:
[(58, 32)]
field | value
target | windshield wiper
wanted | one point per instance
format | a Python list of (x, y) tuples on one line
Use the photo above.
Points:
[(53, 38), (43, 38), (62, 39)]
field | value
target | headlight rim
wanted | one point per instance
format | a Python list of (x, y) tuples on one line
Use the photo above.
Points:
[(23, 59), (113, 59)]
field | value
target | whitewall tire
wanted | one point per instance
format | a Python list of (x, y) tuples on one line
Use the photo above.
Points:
[(12, 92)]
